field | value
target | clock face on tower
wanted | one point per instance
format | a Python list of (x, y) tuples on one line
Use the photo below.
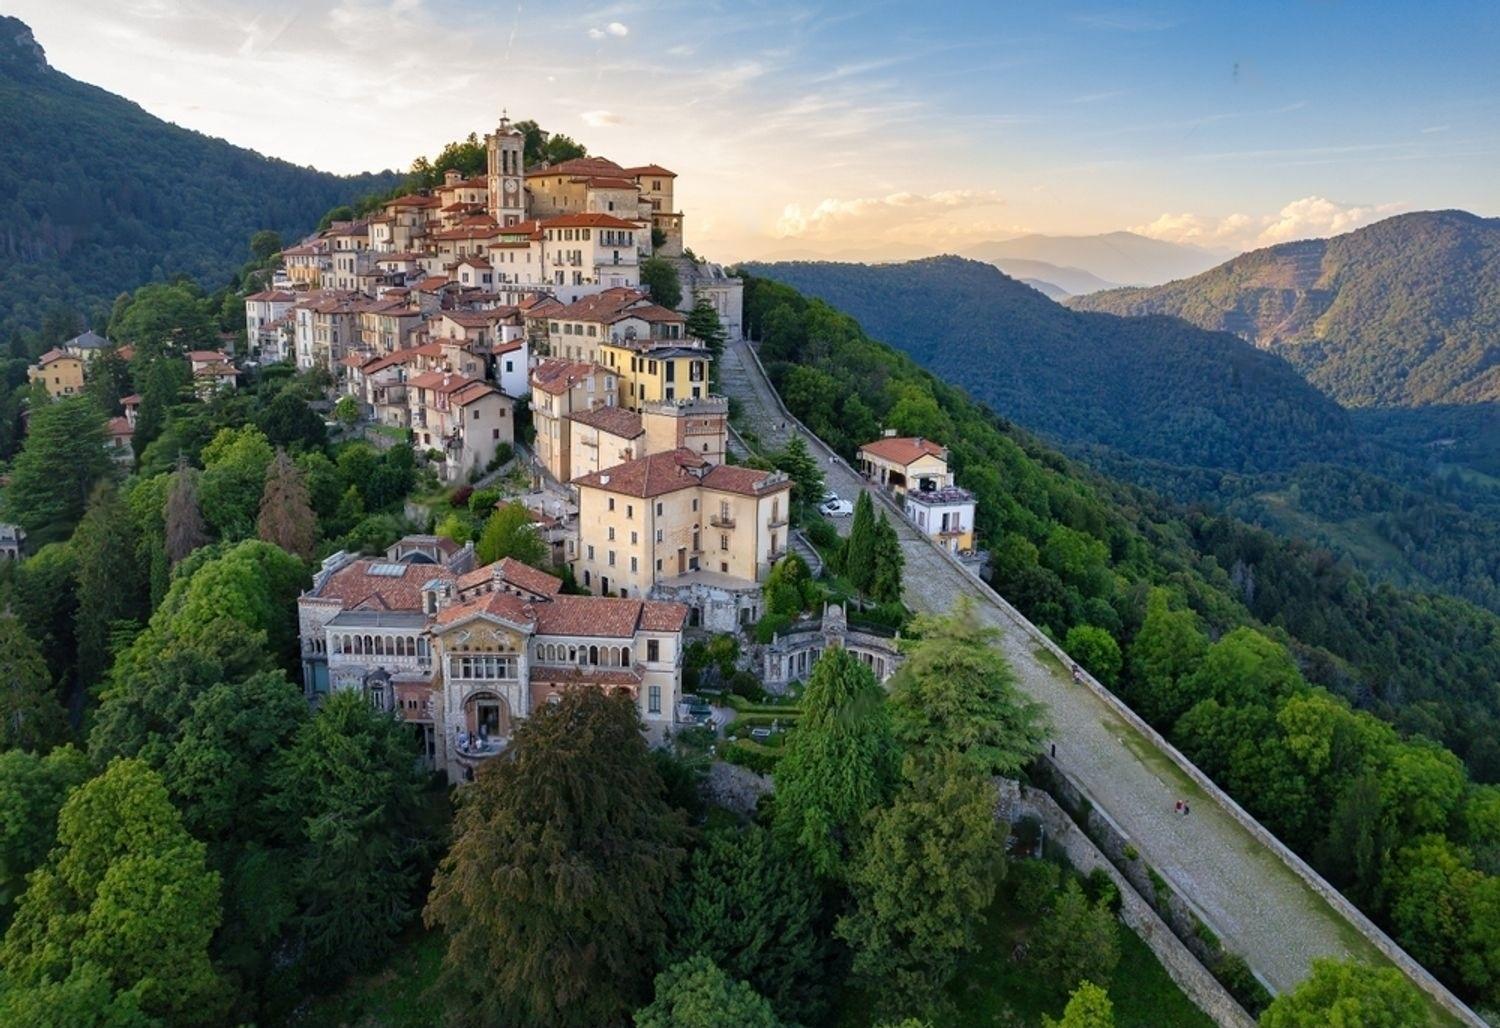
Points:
[(510, 185)]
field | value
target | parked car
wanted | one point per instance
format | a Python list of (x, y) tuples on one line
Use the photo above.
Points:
[(829, 495), (837, 508)]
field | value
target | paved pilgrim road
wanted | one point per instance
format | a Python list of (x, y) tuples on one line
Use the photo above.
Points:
[(1251, 899)]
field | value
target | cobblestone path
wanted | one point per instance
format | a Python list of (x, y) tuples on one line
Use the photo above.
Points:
[(1245, 893)]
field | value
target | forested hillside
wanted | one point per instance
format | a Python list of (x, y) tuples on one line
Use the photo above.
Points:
[(1199, 417), (98, 197), (1310, 694), (1158, 389), (1404, 312)]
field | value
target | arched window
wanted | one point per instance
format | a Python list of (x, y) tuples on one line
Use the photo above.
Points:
[(594, 656), (625, 656)]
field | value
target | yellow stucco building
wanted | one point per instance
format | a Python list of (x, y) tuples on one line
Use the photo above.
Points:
[(59, 371)]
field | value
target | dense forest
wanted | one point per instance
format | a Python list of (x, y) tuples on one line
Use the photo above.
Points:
[(1158, 389), (98, 197), (1321, 701), (1199, 417), (1397, 314)]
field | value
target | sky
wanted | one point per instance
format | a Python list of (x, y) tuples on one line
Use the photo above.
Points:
[(880, 129)]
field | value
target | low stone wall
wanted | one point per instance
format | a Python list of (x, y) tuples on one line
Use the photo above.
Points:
[(1419, 975), (1019, 801)]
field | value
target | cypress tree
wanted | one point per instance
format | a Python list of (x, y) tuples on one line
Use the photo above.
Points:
[(859, 548), (110, 583)]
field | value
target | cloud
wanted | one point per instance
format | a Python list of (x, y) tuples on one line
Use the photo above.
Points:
[(615, 28), (599, 119), (892, 213), (1308, 218)]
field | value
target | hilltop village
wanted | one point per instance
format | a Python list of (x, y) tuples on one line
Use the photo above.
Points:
[(506, 323)]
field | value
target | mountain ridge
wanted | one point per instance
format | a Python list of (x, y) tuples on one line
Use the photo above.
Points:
[(146, 202), (1401, 313)]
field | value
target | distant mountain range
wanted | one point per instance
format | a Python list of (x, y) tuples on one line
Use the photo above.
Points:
[(1404, 312), (97, 196), (1122, 257), (1157, 388), (1061, 280)]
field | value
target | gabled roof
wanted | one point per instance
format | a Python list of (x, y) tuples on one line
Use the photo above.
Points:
[(579, 167), (588, 221), (89, 340), (606, 617), (54, 355), (617, 421), (273, 296), (412, 200), (510, 571), (651, 169), (381, 584), (557, 377)]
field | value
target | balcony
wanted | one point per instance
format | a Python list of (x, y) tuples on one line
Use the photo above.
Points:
[(777, 521), (722, 520)]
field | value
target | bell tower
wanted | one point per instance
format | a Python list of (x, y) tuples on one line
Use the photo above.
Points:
[(505, 150)]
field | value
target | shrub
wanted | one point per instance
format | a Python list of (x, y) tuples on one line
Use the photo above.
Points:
[(484, 501), (1235, 975), (460, 496), (503, 453), (769, 625), (750, 754), (1101, 888), (743, 683), (1033, 882), (822, 534)]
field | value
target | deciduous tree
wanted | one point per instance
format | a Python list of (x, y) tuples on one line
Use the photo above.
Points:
[(1088, 1007), (510, 532), (697, 994), (124, 889), (234, 477), (1096, 650), (32, 790), (660, 277), (184, 528), (573, 823), (1348, 993), (1167, 648)]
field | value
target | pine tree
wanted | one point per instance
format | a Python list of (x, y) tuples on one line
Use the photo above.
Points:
[(111, 587), (800, 465), (859, 548), (573, 823), (185, 531), (31, 716), (286, 514), (55, 472), (703, 323), (837, 766), (923, 882)]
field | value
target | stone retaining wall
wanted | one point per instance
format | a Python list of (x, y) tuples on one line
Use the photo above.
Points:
[(1182, 965), (1419, 975)]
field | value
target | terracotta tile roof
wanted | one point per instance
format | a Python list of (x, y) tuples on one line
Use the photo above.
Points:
[(660, 473), (479, 319), (504, 605), (611, 182), (473, 262), (357, 589), (54, 355), (132, 400), (904, 449), (207, 356), (441, 381), (273, 296), (119, 427), (588, 221), (616, 421), (651, 169), (731, 479), (658, 616), (412, 200), (578, 166), (513, 572), (596, 307), (473, 392), (507, 347), (431, 284), (557, 377), (652, 312), (602, 616)]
